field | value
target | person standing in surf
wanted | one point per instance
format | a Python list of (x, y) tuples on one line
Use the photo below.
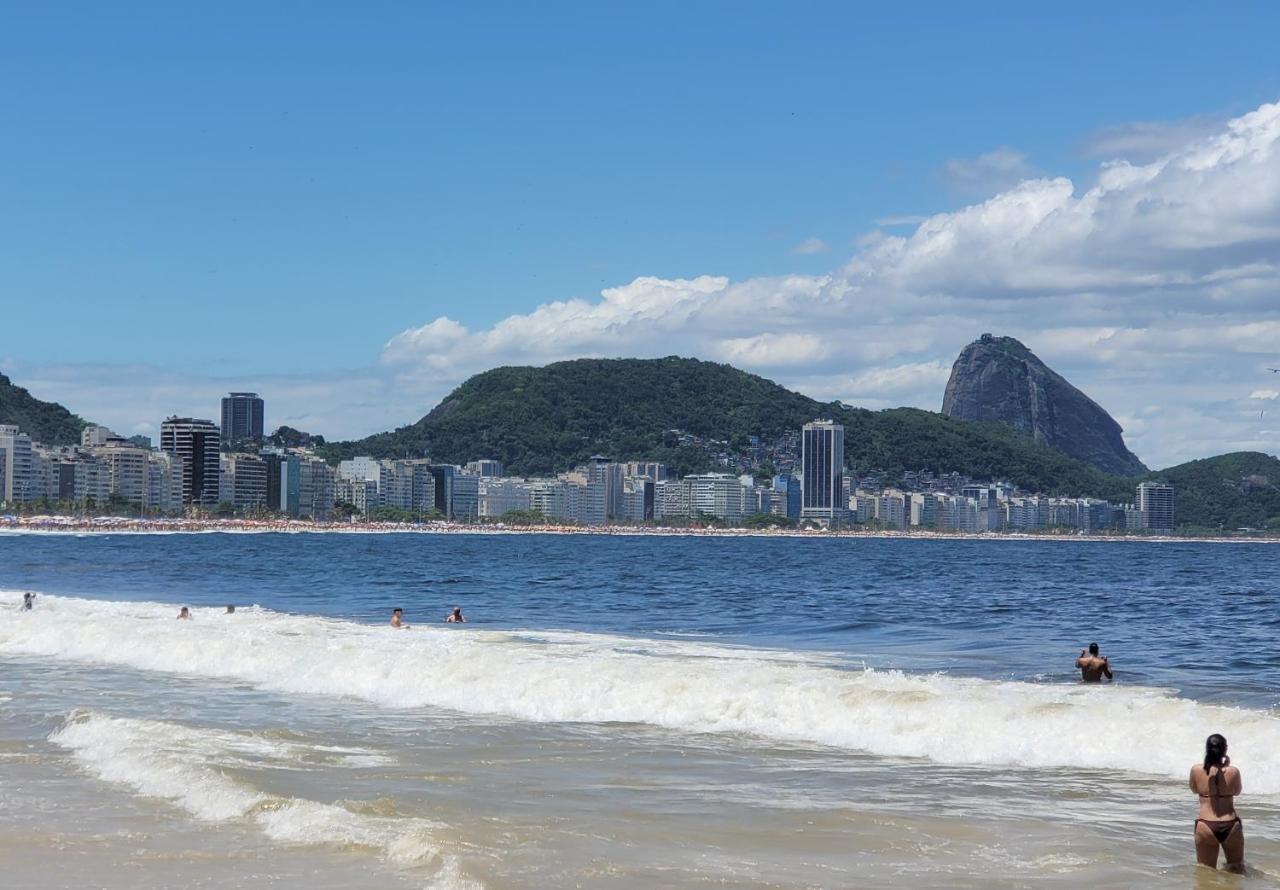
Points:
[(1093, 667), (397, 619), (1218, 827)]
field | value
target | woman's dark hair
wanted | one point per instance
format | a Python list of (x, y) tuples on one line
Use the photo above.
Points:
[(1215, 751)]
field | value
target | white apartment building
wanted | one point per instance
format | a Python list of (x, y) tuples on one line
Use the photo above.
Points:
[(498, 496), (16, 484)]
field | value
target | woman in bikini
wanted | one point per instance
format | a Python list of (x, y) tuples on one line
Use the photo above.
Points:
[(1218, 827)]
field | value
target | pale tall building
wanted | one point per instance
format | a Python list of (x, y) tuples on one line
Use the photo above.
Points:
[(16, 483), (198, 444), (822, 471)]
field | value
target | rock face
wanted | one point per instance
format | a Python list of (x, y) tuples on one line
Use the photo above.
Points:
[(997, 378)]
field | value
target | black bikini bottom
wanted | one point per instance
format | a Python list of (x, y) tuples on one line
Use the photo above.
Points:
[(1221, 830)]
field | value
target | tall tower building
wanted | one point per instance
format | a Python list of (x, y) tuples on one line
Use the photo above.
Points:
[(15, 465), (822, 471), (197, 443), (1155, 503), (241, 417)]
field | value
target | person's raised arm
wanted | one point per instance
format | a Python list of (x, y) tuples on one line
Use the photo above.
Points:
[(1234, 784), (1106, 667), (1191, 781)]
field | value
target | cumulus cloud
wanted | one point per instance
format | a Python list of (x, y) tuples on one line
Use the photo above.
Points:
[(1002, 168), (810, 247), (1146, 140), (1269, 395), (1155, 285)]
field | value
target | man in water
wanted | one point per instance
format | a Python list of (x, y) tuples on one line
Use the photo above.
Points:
[(455, 617), (397, 618), (28, 600), (184, 614), (230, 609), (1093, 667)]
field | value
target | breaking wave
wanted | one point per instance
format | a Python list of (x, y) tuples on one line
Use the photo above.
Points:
[(680, 685)]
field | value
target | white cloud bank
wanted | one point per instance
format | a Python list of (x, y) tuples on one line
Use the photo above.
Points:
[(1155, 288)]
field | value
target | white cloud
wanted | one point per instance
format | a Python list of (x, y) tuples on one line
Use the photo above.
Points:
[(810, 247), (905, 219), (1146, 140), (1002, 168), (774, 350), (1269, 395)]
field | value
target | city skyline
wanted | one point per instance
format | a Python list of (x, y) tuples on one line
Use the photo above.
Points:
[(785, 217)]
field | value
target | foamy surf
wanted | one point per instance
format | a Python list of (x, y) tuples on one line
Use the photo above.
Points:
[(683, 686), (185, 766)]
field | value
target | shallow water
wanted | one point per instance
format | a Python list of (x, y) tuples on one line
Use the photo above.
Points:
[(625, 712)]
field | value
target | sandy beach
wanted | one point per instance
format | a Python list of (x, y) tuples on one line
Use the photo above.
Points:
[(51, 524)]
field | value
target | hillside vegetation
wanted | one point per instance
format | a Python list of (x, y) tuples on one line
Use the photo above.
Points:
[(46, 422), (1230, 491)]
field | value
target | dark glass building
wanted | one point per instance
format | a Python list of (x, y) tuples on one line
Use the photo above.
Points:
[(241, 417)]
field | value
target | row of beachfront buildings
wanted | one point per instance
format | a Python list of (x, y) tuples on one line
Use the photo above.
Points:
[(191, 471)]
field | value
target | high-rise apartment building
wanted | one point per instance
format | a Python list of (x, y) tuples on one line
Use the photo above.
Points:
[(485, 469), (241, 417), (16, 482), (1155, 503), (822, 471), (196, 443)]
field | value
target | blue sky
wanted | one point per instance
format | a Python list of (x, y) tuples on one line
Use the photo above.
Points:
[(275, 191)]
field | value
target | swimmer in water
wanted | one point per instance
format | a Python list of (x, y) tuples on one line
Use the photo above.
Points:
[(455, 617), (230, 609), (397, 618), (28, 600), (1218, 827), (1093, 667), (184, 614)]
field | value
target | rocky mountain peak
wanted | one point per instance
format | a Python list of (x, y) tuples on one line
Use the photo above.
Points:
[(1000, 379)]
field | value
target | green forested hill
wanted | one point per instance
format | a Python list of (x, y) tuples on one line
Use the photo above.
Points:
[(543, 420), (1227, 492), (46, 422)]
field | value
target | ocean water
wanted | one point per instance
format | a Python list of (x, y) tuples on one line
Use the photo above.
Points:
[(626, 711)]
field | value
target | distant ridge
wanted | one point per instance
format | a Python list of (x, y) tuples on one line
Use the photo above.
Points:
[(46, 422), (999, 379)]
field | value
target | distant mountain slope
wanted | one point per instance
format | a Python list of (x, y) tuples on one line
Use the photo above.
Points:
[(1230, 491), (46, 422), (999, 379), (543, 420)]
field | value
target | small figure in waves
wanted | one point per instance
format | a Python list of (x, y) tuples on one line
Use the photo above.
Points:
[(455, 617), (397, 619), (28, 601), (1218, 827), (1093, 667), (184, 614), (230, 609)]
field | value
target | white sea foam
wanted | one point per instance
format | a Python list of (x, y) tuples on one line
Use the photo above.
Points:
[(185, 766), (685, 686)]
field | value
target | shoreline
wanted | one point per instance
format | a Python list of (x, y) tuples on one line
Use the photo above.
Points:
[(135, 526)]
